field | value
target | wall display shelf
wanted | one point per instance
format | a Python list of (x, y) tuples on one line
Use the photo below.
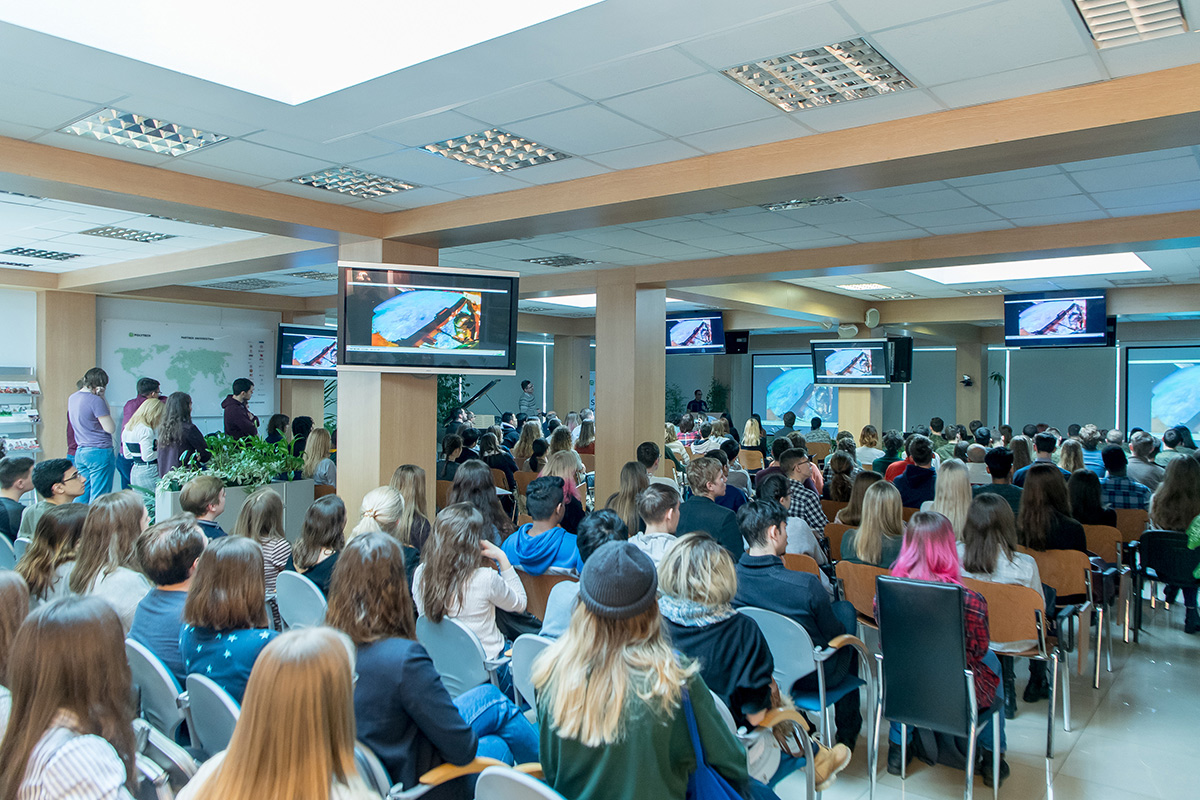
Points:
[(19, 417)]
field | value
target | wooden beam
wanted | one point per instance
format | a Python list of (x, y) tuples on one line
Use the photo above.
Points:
[(198, 295), (1134, 114), (20, 279), (781, 299)]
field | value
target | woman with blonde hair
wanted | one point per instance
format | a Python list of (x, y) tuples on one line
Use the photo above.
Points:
[(317, 463), (567, 465), (1022, 452), (414, 527), (303, 686), (382, 511), (1071, 456), (261, 520), (139, 443), (560, 440), (952, 494), (754, 437), (868, 446), (634, 480), (523, 449), (674, 446), (47, 563), (878, 537), (105, 561)]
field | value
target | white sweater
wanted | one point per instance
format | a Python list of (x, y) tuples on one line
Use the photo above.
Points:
[(486, 591)]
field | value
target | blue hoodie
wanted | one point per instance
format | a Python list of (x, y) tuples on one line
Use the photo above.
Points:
[(537, 554)]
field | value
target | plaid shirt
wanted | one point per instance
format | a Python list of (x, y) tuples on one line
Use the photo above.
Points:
[(806, 504), (975, 618), (1119, 491)]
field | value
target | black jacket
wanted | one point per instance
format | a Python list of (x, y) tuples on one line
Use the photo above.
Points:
[(764, 582), (735, 662), (916, 485), (701, 514)]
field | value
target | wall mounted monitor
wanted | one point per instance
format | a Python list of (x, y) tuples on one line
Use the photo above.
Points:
[(783, 382), (1162, 388), (851, 362), (695, 332), (306, 351), (1055, 319), (400, 318)]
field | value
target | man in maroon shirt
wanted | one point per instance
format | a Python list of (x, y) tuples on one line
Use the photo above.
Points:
[(147, 388), (239, 422)]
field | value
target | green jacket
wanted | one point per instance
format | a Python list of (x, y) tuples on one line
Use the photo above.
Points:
[(653, 759)]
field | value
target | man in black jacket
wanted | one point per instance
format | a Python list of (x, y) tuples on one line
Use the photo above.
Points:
[(706, 476), (764, 582), (917, 482)]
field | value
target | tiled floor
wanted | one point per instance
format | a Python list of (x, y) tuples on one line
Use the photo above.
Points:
[(1136, 737)]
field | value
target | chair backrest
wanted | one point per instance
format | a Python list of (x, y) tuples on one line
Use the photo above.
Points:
[(499, 478), (1013, 611), (750, 459), (906, 513), (8, 554), (157, 688), (1131, 522), (321, 491), (525, 649), (523, 519), (456, 653), (818, 450), (443, 492), (505, 783), (791, 646), (589, 461), (1103, 541), (212, 716), (799, 562), (523, 479), (832, 507), (924, 645), (20, 546), (834, 532), (537, 590), (372, 770), (301, 603), (858, 585), (1167, 553), (1064, 570)]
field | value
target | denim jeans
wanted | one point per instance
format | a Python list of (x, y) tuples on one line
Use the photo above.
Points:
[(504, 732), (983, 736), (124, 468), (97, 464)]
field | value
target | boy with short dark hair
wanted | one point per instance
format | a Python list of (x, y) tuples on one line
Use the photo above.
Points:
[(658, 505), (58, 482), (204, 498), (16, 478), (539, 546)]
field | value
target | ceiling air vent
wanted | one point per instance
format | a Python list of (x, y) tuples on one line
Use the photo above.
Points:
[(558, 261), (245, 285)]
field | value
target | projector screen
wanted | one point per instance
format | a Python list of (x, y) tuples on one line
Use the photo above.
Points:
[(782, 382), (1162, 388)]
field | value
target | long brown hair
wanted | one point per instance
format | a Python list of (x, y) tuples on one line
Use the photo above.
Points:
[(882, 516), (368, 596), (1022, 451), (261, 518), (852, 513), (473, 484), (1176, 502), (14, 607), (990, 532), (229, 588), (560, 439), (587, 433), (302, 684), (55, 540), (1045, 492), (634, 481), (324, 529), (841, 464), (530, 433), (68, 655), (409, 481), (110, 531), (450, 559)]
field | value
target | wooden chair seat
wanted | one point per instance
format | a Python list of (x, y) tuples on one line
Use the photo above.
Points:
[(1105, 541), (537, 590), (750, 460), (499, 478), (831, 508), (907, 513), (589, 461), (835, 532), (798, 562), (1132, 522), (322, 491), (818, 450), (523, 479)]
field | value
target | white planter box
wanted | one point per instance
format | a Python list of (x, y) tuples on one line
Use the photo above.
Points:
[(297, 497)]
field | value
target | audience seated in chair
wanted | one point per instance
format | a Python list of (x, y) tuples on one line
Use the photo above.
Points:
[(14, 607), (999, 464), (539, 546), (648, 455), (1044, 445), (634, 479), (700, 512), (1175, 504), (803, 502), (733, 498), (322, 538), (261, 519), (917, 483), (597, 529), (474, 485), (204, 497), (414, 527), (952, 494), (851, 513), (105, 562), (659, 506), (880, 534), (47, 564), (800, 537)]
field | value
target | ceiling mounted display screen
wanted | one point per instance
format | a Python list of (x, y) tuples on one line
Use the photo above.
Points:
[(397, 318), (306, 351), (1055, 319), (695, 332), (851, 362)]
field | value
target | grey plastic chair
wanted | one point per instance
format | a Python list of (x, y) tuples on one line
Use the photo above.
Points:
[(457, 654), (8, 554), (163, 703), (727, 716), (504, 783), (212, 715), (301, 603), (20, 546), (525, 649)]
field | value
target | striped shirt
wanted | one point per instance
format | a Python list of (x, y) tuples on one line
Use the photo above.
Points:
[(66, 765)]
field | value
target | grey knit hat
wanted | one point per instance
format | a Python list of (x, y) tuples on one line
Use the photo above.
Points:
[(618, 581)]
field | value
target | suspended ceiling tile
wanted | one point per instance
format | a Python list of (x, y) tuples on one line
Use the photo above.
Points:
[(421, 167), (889, 236), (342, 151), (685, 231), (313, 193), (692, 105), (421, 196), (753, 223), (15, 130), (257, 160), (1058, 219), (1192, 204), (646, 154), (487, 183), (1156, 54), (1055, 185), (872, 15), (895, 191), (812, 26), (1132, 176), (16, 217), (1175, 193), (585, 130), (1050, 206), (953, 216), (1128, 159), (857, 228), (797, 234), (565, 170), (1002, 177), (946, 230), (924, 201), (424, 130), (41, 109), (631, 74), (1005, 85), (528, 101), (882, 108), (837, 212), (724, 243)]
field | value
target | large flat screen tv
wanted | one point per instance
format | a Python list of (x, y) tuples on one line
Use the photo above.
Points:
[(851, 362), (695, 332), (306, 351), (1056, 319), (1162, 388), (400, 318)]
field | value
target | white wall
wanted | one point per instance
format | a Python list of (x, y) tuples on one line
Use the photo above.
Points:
[(19, 312)]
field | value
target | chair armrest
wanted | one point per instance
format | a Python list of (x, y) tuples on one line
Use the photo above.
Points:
[(533, 769), (774, 716), (845, 640), (448, 772)]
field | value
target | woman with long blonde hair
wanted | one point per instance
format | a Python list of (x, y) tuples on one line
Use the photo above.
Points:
[(105, 562), (295, 735), (414, 527), (531, 431), (382, 511), (568, 466), (952, 495), (634, 480), (614, 698), (878, 537), (47, 563), (1071, 456), (317, 463), (139, 443)]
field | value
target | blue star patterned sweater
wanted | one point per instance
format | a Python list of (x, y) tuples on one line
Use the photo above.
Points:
[(225, 657)]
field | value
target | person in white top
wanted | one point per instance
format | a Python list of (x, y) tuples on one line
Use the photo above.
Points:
[(139, 443), (454, 580), (658, 506), (105, 560), (303, 685), (71, 735)]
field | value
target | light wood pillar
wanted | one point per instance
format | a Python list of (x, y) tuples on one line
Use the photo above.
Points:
[(572, 371), (66, 348), (857, 406), (970, 402), (384, 419), (631, 374)]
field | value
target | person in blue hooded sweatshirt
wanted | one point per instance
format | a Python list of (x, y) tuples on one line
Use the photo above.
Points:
[(539, 546)]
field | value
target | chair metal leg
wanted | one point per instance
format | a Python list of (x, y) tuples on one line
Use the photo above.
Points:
[(903, 751), (1066, 687), (878, 726), (1099, 646), (969, 791), (1053, 701), (1108, 635), (996, 755)]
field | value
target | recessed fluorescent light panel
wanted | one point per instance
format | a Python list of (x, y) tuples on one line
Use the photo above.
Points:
[(558, 261), (863, 287), (895, 296), (833, 73), (1117, 22), (290, 63), (313, 275), (245, 285), (13, 264), (988, 290), (805, 202), (128, 234), (30, 252), (354, 182), (581, 300), (496, 150), (184, 221), (1034, 269), (142, 133)]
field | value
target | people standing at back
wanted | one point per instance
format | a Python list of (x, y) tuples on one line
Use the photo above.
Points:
[(16, 478), (147, 389), (168, 554), (93, 426), (999, 465), (701, 512), (179, 439), (317, 462), (105, 562), (204, 498), (139, 442), (1044, 445), (527, 403), (47, 563), (539, 546), (322, 538), (239, 422), (261, 520)]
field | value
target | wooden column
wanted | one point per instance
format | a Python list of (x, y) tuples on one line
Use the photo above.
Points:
[(970, 402), (572, 371), (66, 348), (857, 406), (631, 370), (384, 419)]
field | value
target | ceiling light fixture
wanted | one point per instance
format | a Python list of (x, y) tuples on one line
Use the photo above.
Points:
[(354, 182), (988, 290), (31, 252), (13, 264), (1151, 281), (142, 133), (496, 150), (863, 287), (805, 202), (1117, 22), (821, 76), (558, 261), (895, 296), (314, 275), (581, 300), (128, 234), (1034, 269), (245, 285)]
